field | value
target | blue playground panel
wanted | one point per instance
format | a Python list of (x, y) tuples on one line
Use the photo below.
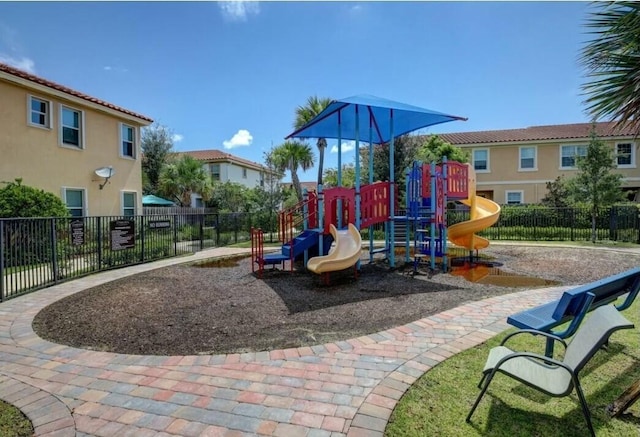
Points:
[(307, 240)]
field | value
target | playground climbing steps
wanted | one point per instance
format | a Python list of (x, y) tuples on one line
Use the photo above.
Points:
[(429, 187)]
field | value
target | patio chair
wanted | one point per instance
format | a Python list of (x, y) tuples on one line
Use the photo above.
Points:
[(549, 375)]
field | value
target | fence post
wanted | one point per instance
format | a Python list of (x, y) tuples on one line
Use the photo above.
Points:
[(613, 223), (141, 218), (99, 237), (637, 226), (175, 235), (1, 260), (217, 229), (54, 251), (201, 222), (235, 228)]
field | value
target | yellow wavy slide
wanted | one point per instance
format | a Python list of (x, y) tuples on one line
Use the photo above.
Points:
[(484, 214), (344, 254)]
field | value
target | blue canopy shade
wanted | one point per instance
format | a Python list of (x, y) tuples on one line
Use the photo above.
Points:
[(151, 200), (338, 120)]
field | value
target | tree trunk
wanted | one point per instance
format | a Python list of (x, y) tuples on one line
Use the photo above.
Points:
[(322, 144), (628, 398), (296, 184)]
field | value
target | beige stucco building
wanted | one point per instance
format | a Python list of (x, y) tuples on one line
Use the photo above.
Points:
[(225, 167), (55, 138), (513, 166)]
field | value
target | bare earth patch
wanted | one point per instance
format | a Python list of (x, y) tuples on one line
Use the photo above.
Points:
[(186, 309)]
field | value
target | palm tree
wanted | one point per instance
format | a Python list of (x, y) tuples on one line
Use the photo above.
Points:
[(183, 177), (306, 113), (612, 60), (292, 155)]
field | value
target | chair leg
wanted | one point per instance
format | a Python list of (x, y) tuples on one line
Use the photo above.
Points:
[(484, 375), (585, 408), (482, 392)]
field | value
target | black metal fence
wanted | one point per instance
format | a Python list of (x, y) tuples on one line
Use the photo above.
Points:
[(39, 252), (538, 223)]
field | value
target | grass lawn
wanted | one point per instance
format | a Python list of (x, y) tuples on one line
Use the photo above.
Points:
[(438, 403), (13, 423)]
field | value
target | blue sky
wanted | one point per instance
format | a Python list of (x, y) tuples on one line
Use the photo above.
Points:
[(229, 75)]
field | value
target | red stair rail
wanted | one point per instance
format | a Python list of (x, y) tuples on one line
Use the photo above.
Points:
[(293, 218), (257, 250)]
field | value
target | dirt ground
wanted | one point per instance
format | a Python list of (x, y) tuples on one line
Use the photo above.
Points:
[(223, 308)]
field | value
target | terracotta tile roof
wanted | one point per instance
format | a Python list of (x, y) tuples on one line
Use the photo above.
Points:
[(213, 155), (32, 78), (310, 186), (537, 133)]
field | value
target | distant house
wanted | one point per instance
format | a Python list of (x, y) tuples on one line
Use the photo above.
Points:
[(81, 148), (309, 186), (513, 166), (225, 167)]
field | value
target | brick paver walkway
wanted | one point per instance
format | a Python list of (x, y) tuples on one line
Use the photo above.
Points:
[(346, 388)]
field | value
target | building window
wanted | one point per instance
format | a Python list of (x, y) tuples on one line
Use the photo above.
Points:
[(625, 155), (74, 199), (127, 141), (39, 112), (71, 121), (244, 173), (215, 172), (128, 204), (569, 155), (528, 158), (481, 160), (514, 197)]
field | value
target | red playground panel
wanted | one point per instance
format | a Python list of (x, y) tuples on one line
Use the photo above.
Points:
[(374, 204), (457, 180), (331, 197)]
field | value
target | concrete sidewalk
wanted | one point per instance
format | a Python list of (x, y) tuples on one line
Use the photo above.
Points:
[(346, 388)]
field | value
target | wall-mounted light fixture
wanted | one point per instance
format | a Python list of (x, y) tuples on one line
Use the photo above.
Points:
[(105, 173)]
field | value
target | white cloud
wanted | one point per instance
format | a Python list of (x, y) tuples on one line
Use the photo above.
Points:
[(116, 69), (241, 138), (176, 138), (347, 146), (238, 10), (21, 63)]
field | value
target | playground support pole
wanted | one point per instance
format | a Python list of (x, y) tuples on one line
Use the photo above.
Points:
[(392, 237), (432, 233), (370, 180), (409, 196), (445, 190), (305, 222), (339, 201), (320, 212), (357, 181)]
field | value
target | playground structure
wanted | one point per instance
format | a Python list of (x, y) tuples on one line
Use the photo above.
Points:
[(305, 229), (428, 189)]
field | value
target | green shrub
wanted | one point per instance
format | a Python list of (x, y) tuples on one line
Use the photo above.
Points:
[(17, 200)]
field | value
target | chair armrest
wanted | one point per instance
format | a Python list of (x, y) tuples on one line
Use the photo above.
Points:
[(534, 332)]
